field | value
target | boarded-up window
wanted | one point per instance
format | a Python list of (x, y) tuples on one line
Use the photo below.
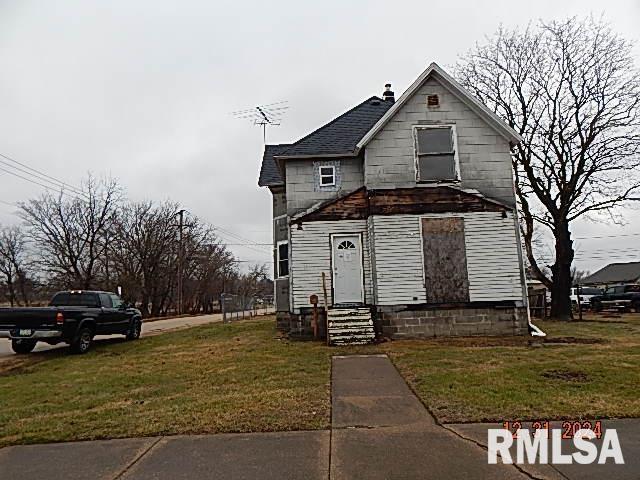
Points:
[(445, 260), (436, 154)]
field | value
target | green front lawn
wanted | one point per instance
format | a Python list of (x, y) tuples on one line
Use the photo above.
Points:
[(244, 377), (463, 380), (213, 378)]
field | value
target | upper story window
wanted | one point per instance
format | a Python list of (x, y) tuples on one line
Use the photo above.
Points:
[(327, 175), (283, 259), (436, 156)]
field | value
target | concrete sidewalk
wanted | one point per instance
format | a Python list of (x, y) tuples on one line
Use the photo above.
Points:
[(380, 430), (290, 455), (628, 431)]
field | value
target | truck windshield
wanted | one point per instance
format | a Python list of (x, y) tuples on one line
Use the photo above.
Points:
[(632, 288), (68, 299)]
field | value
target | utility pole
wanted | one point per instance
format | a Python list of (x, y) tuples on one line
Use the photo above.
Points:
[(180, 259)]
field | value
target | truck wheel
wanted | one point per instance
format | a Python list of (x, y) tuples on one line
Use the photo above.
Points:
[(635, 307), (22, 346), (82, 342), (134, 329), (597, 306)]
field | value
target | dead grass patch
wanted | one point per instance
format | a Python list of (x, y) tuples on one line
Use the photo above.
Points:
[(566, 375)]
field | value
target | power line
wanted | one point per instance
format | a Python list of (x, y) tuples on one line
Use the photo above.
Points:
[(609, 236), (245, 244), (39, 174), (228, 233), (48, 187)]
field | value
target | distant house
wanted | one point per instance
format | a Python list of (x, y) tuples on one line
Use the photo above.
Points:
[(408, 209), (615, 273)]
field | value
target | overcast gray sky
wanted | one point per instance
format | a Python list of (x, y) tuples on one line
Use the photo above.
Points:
[(143, 90)]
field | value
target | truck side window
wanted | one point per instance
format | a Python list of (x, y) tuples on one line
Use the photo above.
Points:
[(116, 300), (105, 300)]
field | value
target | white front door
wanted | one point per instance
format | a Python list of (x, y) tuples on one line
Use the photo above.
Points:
[(347, 269)]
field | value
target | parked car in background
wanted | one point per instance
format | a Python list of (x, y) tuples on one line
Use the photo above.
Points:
[(586, 294), (72, 317), (619, 297)]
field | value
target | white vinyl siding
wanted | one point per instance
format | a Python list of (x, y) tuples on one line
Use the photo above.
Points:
[(484, 159), (398, 253), (493, 263), (310, 255), (492, 258)]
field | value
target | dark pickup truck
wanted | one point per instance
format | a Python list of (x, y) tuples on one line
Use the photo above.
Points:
[(619, 297), (72, 317)]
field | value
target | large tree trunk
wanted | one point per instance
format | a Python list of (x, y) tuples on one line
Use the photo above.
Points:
[(561, 272)]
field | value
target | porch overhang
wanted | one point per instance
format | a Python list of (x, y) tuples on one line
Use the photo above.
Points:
[(363, 203)]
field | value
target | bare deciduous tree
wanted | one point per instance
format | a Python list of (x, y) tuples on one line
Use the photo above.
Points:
[(252, 285), (572, 91), (14, 265), (142, 252), (70, 231)]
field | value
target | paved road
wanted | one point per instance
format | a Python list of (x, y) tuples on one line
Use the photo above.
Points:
[(148, 328)]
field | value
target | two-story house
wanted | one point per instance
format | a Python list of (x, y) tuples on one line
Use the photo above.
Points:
[(407, 209)]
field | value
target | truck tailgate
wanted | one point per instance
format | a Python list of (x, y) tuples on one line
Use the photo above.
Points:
[(26, 317)]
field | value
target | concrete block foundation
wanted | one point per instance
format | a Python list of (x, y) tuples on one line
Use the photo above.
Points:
[(400, 322)]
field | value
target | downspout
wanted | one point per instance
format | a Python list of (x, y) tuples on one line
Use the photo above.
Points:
[(534, 331)]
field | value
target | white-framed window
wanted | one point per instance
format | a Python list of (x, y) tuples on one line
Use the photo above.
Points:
[(282, 259), (327, 175), (436, 153)]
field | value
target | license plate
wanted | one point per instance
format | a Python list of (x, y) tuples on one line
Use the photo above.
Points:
[(25, 332)]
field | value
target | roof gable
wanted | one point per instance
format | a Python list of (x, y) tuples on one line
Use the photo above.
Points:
[(458, 91)]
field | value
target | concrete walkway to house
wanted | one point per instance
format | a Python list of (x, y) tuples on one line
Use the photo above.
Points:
[(379, 430)]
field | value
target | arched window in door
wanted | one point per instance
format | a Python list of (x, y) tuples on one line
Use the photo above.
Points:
[(346, 245)]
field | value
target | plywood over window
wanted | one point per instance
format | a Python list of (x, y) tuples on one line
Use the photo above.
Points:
[(445, 260)]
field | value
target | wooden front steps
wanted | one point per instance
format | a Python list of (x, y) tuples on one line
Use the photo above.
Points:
[(350, 326)]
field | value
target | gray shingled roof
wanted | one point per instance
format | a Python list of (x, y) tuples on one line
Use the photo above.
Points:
[(269, 171), (338, 137), (615, 273)]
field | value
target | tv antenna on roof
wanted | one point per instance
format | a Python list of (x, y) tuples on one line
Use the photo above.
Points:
[(264, 115)]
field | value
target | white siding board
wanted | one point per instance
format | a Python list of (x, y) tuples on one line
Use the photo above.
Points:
[(399, 266), (493, 263), (311, 255), (485, 161)]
